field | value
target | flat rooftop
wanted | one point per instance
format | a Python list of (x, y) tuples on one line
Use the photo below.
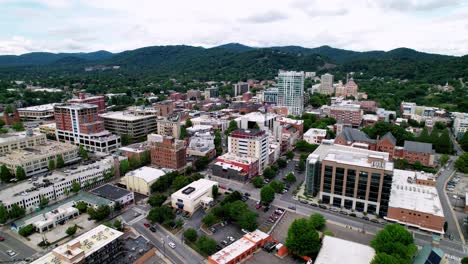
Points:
[(352, 156), (257, 116), (239, 247), (39, 108), (136, 147), (8, 137), (26, 154), (195, 189), (88, 243), (234, 158), (110, 192), (125, 116), (148, 174), (412, 196), (315, 132), (337, 251)]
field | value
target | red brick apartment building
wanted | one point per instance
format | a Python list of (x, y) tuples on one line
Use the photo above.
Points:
[(97, 100), (167, 152)]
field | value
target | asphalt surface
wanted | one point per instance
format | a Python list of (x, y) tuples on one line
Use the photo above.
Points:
[(11, 243)]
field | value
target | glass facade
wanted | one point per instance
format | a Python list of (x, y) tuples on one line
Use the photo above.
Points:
[(350, 182), (327, 179), (313, 171), (339, 180), (362, 185), (374, 187), (385, 195)]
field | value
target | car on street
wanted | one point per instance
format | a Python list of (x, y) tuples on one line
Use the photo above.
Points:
[(147, 225), (171, 244), (2, 238), (258, 206), (365, 218), (278, 212), (152, 229), (212, 229), (11, 253), (224, 242), (247, 194), (352, 215), (343, 212), (375, 221), (244, 199), (333, 209), (323, 206), (303, 202), (231, 238), (292, 207), (284, 191), (314, 204)]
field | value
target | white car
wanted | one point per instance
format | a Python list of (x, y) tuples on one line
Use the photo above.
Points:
[(171, 244), (11, 253)]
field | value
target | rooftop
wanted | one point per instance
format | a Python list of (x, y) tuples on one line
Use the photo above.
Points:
[(337, 251), (148, 174), (412, 196), (136, 147), (195, 189), (85, 245), (126, 116), (39, 108), (419, 147), (110, 192), (258, 116), (234, 158), (315, 131), (8, 137), (351, 135), (247, 133), (76, 106), (229, 253), (26, 154)]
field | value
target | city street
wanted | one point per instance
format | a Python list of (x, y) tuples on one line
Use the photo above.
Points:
[(11, 243)]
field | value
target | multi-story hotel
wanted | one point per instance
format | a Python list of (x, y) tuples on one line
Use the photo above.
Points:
[(27, 194), (250, 143), (33, 154), (99, 245), (352, 178), (167, 152), (80, 124), (38, 112), (127, 123), (291, 91), (326, 84)]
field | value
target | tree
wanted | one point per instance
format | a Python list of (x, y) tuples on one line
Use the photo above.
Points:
[(206, 245), (317, 221), (464, 260), (290, 155), (302, 239), (290, 178), (267, 194), (464, 142), (26, 230), (301, 165), (20, 173), (202, 163), (83, 153), (188, 123), (71, 230), (118, 225), (383, 258), (257, 182), (161, 214), (277, 186), (180, 182), (282, 163), (218, 142), (183, 132), (231, 127), (444, 159), (209, 219), (248, 220), (76, 186), (3, 214), (215, 191), (51, 165), (5, 174), (124, 167), (99, 214), (269, 173), (190, 235), (81, 206), (43, 202), (418, 165), (304, 146), (396, 241), (462, 163), (157, 199), (17, 126), (60, 162), (125, 139)]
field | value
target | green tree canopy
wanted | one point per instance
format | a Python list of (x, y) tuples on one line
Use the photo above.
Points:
[(16, 211), (267, 194), (81, 206), (462, 163), (206, 245), (269, 173), (396, 241), (156, 200), (60, 162), (20, 173), (3, 214), (83, 153), (215, 191), (191, 235), (76, 186), (302, 239), (71, 230), (51, 165), (277, 186), (124, 167), (464, 142), (257, 182), (290, 178), (231, 127), (317, 221), (161, 214), (5, 174)]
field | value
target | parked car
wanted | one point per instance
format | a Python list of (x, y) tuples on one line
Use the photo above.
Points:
[(333, 209), (278, 212), (245, 231), (303, 201), (152, 229), (314, 204), (266, 208), (284, 191), (323, 206), (352, 214), (375, 221), (2, 238), (292, 207), (365, 218), (244, 199), (147, 225), (224, 242), (258, 206), (247, 194), (171, 244), (231, 238), (212, 229), (343, 212)]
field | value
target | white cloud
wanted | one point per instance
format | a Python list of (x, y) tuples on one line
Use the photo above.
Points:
[(438, 26)]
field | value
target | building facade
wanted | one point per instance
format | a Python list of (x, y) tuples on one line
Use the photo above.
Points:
[(193, 196), (240, 88), (167, 152), (98, 100), (169, 126), (37, 113), (211, 92), (80, 124), (126, 123), (291, 91), (350, 114), (250, 143), (315, 135), (460, 124), (326, 84)]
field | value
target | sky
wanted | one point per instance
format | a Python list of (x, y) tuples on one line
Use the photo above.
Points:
[(435, 26)]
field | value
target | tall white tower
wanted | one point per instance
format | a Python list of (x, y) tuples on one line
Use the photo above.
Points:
[(291, 91)]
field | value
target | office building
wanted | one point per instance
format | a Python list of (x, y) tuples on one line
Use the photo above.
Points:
[(326, 84), (167, 152), (242, 249), (37, 113), (97, 100), (20, 140), (194, 95), (114, 193), (315, 135), (353, 178), (211, 92), (206, 120), (99, 245), (140, 180), (335, 250), (350, 89), (250, 143), (164, 108), (414, 201), (347, 114), (270, 96), (80, 124), (35, 159), (460, 124), (240, 88), (291, 91), (169, 126), (193, 196), (235, 167), (48, 129), (126, 123), (27, 194)]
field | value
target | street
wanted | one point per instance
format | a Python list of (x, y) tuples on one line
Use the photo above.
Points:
[(11, 243)]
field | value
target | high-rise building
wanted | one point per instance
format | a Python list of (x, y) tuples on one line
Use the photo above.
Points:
[(270, 96), (347, 114), (97, 100), (164, 108), (291, 91), (326, 84), (250, 143), (211, 92), (460, 124), (241, 88), (127, 123), (353, 178), (169, 126), (80, 124), (167, 152)]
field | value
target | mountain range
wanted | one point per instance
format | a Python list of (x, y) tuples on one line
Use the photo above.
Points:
[(237, 61)]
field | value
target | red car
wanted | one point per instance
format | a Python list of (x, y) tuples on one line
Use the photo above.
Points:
[(2, 238), (258, 206), (147, 225)]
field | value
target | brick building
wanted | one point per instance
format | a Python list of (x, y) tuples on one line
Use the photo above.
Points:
[(234, 167), (97, 100), (347, 114), (176, 96), (164, 108), (194, 95), (167, 152)]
